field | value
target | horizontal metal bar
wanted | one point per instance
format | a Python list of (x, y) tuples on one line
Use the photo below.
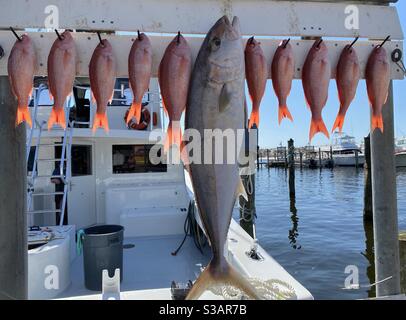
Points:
[(258, 17), (50, 144), (122, 43), (44, 211), (51, 160), (50, 176), (47, 194)]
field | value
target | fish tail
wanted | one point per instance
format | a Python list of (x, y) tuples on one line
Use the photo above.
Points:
[(231, 277), (254, 118), (284, 113), (57, 117), (23, 114), (339, 123), (318, 126), (377, 122), (135, 111), (100, 121), (173, 136)]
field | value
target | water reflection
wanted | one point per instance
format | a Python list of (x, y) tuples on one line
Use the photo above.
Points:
[(369, 255), (293, 232)]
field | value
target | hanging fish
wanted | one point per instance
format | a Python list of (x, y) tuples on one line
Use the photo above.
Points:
[(216, 101), (256, 72), (377, 75), (315, 79), (21, 68), (139, 73), (347, 78), (174, 76), (61, 75), (102, 74), (283, 70)]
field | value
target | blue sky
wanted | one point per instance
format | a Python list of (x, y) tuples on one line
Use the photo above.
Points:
[(356, 122)]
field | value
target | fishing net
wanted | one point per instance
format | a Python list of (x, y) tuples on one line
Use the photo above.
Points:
[(272, 289)]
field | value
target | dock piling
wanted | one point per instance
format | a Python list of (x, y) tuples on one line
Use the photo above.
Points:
[(402, 251), (367, 180), (13, 199), (384, 201)]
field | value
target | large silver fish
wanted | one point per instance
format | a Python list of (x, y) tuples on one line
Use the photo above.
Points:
[(216, 101)]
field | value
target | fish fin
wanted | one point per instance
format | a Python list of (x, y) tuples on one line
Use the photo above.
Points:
[(173, 136), (284, 112), (93, 98), (51, 97), (57, 117), (227, 277), (111, 97), (135, 111), (224, 99), (254, 118), (377, 122), (241, 190), (339, 123), (318, 126), (23, 114), (100, 121)]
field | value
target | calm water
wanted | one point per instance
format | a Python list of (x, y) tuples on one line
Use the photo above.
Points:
[(326, 234)]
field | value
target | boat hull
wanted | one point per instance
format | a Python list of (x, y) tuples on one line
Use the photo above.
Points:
[(400, 159)]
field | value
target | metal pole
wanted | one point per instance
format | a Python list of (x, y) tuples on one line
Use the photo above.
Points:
[(384, 202), (13, 202)]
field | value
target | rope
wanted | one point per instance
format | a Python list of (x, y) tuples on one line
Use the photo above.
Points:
[(272, 289)]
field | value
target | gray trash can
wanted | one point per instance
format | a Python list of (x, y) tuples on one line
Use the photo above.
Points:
[(102, 249)]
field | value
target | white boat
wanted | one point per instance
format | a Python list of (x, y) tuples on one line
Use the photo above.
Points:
[(109, 179), (400, 152), (345, 152)]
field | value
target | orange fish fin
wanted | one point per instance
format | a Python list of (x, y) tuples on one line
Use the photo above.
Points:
[(254, 118), (23, 114), (57, 117), (338, 123), (377, 122), (100, 121), (317, 126), (173, 136), (284, 113), (135, 111)]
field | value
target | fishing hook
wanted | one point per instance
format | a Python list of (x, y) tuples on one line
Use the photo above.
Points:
[(352, 43), (178, 37), (319, 43), (59, 36), (15, 33), (286, 43), (100, 39), (384, 41), (138, 35), (251, 40)]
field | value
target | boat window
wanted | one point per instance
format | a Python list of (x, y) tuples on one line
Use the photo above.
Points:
[(134, 159), (81, 160)]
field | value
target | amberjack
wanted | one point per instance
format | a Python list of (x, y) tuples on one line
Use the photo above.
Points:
[(216, 101)]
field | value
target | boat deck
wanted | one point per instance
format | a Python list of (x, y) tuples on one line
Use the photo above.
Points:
[(149, 268)]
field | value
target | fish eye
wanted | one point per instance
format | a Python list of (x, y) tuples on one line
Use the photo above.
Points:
[(216, 42)]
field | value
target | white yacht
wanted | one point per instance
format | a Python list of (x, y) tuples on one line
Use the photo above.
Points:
[(400, 152), (346, 152), (108, 178)]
